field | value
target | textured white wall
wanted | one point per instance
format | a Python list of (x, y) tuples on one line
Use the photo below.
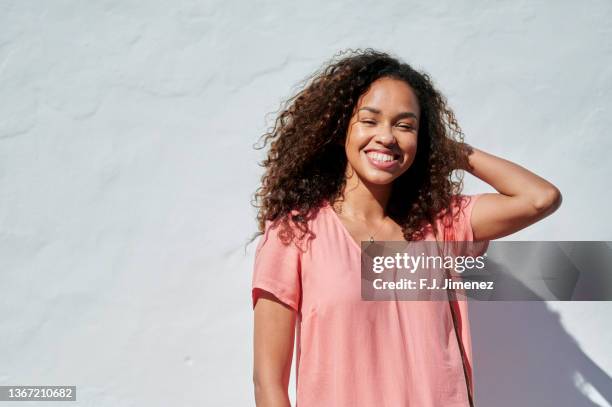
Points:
[(126, 170)]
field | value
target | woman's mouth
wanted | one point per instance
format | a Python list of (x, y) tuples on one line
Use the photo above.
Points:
[(382, 160)]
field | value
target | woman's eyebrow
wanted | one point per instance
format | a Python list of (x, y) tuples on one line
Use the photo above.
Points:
[(399, 116)]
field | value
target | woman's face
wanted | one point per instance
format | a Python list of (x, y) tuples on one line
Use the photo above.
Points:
[(381, 141)]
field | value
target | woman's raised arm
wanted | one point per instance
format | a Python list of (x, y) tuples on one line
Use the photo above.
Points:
[(274, 333), (523, 199)]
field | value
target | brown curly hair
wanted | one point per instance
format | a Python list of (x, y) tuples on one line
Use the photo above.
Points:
[(306, 162)]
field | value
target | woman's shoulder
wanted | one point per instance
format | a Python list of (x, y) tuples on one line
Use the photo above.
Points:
[(296, 226), (296, 217), (459, 204), (455, 221)]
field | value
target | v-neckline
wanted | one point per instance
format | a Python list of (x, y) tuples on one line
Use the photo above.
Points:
[(342, 226), (344, 229)]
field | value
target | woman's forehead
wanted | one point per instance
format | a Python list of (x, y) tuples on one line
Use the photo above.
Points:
[(389, 97)]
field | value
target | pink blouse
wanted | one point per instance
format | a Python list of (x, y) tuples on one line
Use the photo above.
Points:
[(364, 353)]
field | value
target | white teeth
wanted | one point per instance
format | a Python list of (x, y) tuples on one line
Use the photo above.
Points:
[(382, 157)]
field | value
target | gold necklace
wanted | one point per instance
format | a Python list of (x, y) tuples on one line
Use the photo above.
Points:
[(380, 227), (337, 206)]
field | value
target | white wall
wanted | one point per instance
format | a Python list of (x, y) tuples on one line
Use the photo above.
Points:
[(126, 170)]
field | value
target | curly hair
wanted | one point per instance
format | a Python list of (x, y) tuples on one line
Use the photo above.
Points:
[(306, 162)]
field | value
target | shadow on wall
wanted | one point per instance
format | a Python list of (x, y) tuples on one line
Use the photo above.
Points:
[(523, 356)]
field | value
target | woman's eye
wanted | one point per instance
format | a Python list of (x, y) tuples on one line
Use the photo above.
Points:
[(405, 126), (368, 121)]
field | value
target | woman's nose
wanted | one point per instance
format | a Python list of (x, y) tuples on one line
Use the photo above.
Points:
[(385, 136)]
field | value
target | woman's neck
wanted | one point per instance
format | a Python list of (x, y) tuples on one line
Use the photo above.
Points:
[(364, 201)]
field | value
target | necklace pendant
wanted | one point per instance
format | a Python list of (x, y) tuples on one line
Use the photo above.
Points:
[(371, 239)]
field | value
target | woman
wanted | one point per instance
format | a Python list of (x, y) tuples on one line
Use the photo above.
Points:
[(367, 150)]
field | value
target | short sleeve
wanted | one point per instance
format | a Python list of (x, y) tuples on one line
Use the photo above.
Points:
[(465, 219), (277, 268), (461, 230)]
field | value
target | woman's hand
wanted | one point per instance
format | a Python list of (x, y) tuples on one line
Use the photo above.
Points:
[(274, 334), (523, 199)]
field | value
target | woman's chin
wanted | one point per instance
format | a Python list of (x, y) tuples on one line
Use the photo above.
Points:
[(378, 179)]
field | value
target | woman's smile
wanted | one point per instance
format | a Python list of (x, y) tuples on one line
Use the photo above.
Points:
[(382, 160)]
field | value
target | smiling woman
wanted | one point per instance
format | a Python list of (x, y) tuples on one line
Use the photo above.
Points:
[(368, 150), (381, 143)]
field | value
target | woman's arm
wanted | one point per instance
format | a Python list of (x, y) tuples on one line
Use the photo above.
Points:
[(523, 199), (274, 334)]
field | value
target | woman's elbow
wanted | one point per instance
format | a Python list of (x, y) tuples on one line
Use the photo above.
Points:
[(270, 393), (260, 384), (548, 200)]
